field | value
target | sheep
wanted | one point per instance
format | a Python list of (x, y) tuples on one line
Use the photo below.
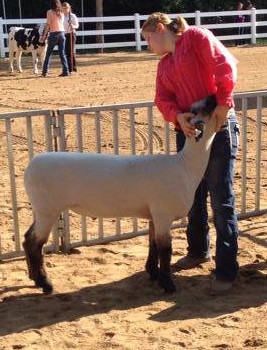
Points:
[(158, 187)]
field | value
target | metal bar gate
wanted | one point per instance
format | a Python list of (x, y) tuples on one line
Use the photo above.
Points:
[(135, 128)]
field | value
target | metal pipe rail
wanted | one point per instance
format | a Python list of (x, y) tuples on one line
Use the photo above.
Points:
[(152, 132)]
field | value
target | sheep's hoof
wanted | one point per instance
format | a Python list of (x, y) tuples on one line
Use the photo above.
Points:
[(48, 288), (154, 275), (167, 284), (45, 284)]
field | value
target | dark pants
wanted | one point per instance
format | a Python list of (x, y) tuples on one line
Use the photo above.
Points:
[(218, 182), (241, 31), (247, 30), (69, 50), (56, 38)]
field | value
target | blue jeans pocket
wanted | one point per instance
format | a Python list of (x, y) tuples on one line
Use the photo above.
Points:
[(233, 129), (226, 141)]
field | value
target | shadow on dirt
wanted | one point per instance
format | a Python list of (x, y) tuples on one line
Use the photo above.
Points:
[(192, 300)]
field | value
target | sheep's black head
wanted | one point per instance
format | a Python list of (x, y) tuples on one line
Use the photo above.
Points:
[(204, 107), (202, 110)]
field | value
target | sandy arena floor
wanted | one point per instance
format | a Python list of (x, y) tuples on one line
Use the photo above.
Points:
[(103, 298)]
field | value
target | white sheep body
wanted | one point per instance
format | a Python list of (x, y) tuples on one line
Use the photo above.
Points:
[(100, 185), (159, 188)]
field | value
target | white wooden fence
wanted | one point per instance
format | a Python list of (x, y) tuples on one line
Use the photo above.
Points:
[(131, 34), (24, 134)]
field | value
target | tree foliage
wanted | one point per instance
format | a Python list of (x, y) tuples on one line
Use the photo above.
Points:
[(38, 8)]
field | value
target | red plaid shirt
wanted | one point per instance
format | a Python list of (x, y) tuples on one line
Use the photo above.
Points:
[(200, 66)]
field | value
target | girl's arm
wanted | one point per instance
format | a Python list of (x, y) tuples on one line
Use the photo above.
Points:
[(46, 28), (216, 58), (166, 102), (74, 21)]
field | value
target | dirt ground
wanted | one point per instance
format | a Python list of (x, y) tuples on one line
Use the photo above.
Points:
[(103, 298)]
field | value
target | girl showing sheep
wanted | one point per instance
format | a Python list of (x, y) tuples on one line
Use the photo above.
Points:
[(195, 64), (160, 188)]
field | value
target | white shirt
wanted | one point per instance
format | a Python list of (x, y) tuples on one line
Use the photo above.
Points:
[(70, 19)]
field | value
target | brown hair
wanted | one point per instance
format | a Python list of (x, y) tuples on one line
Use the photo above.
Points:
[(56, 6), (177, 25)]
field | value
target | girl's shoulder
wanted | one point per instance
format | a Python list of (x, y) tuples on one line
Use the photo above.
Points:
[(194, 31), (196, 35), (51, 13)]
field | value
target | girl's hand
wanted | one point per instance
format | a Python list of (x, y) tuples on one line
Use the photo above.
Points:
[(220, 113), (184, 120)]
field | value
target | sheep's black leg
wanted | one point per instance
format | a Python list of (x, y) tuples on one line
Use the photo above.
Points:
[(26, 249), (165, 253), (152, 260), (34, 258)]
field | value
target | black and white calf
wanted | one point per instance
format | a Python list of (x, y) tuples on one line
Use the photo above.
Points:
[(26, 40)]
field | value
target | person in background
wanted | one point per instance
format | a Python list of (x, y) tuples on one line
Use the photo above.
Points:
[(240, 19), (70, 26), (195, 64), (247, 30), (55, 27)]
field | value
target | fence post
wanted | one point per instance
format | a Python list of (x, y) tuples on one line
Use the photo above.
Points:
[(137, 31), (197, 19), (253, 26), (2, 43)]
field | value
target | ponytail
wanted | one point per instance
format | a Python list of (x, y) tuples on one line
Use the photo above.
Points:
[(177, 25)]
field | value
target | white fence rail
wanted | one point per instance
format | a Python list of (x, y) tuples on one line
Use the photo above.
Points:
[(222, 23), (111, 129)]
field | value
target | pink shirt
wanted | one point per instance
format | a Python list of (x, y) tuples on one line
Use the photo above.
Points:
[(54, 21), (200, 66)]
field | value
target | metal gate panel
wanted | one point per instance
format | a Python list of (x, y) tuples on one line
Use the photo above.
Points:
[(22, 135), (248, 105), (135, 128)]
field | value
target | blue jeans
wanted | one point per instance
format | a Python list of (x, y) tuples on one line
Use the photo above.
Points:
[(56, 38), (218, 182)]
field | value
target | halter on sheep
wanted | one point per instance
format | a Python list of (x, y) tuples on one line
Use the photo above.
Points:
[(159, 188)]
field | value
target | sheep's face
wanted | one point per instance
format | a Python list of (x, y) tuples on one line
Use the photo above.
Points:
[(202, 110), (199, 124)]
